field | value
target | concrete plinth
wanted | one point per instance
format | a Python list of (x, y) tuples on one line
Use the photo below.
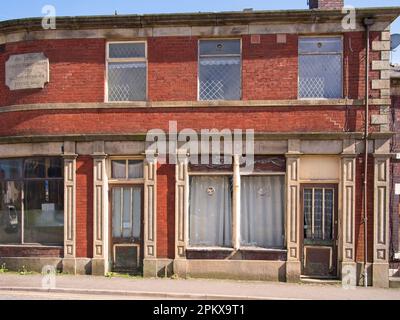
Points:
[(380, 275), (99, 267), (69, 265), (293, 271), (153, 268)]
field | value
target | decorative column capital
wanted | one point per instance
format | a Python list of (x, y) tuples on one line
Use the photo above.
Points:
[(345, 155), (383, 155), (69, 156), (294, 155), (99, 155)]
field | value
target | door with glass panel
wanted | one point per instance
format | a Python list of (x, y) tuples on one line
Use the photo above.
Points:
[(320, 225), (126, 228)]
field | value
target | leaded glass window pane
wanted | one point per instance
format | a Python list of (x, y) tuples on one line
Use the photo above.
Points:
[(318, 208), (127, 81), (320, 68), (220, 70)]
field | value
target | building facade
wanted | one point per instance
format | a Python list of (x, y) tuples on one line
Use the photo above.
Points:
[(395, 172), (83, 187)]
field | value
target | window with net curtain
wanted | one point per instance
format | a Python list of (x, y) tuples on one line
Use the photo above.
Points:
[(127, 71), (262, 211), (210, 211), (127, 169), (320, 67), (220, 69)]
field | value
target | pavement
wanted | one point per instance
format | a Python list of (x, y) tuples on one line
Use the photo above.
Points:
[(16, 286)]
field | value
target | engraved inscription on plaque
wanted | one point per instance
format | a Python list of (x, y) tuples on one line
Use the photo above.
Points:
[(27, 71)]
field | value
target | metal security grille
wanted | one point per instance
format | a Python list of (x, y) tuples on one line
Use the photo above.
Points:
[(220, 70), (127, 71), (320, 68)]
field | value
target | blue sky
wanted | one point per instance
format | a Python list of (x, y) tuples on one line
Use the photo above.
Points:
[(11, 9)]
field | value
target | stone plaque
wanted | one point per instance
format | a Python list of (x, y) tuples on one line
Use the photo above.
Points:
[(27, 71)]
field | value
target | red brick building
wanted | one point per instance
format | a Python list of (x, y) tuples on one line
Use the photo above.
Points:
[(78, 191), (395, 172)]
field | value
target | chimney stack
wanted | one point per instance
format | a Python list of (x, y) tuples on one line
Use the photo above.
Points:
[(326, 4)]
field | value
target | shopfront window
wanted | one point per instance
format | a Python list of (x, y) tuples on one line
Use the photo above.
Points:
[(31, 201), (210, 216), (261, 215)]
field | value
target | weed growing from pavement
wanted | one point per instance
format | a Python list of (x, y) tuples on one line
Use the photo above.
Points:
[(24, 271), (3, 268), (122, 275)]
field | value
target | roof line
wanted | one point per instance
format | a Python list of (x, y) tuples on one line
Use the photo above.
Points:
[(197, 19)]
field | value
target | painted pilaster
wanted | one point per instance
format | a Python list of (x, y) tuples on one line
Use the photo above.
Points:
[(181, 208), (347, 239), (150, 218), (236, 203), (380, 269), (181, 215), (293, 265), (100, 262), (69, 263)]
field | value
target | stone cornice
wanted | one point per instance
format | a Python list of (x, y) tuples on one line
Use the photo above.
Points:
[(142, 137), (195, 104), (198, 19)]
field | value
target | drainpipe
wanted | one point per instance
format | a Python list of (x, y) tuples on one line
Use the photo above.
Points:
[(368, 22)]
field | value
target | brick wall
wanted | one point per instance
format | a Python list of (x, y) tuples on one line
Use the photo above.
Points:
[(84, 207), (395, 174), (268, 66), (172, 68), (359, 213), (354, 65), (77, 69), (124, 121), (29, 251), (166, 211)]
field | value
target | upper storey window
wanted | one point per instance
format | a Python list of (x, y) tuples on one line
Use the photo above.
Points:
[(321, 67), (126, 71), (220, 69)]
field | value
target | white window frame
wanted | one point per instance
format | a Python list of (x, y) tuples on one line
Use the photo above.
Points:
[(236, 175), (120, 181), (224, 55), (110, 60), (325, 53)]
